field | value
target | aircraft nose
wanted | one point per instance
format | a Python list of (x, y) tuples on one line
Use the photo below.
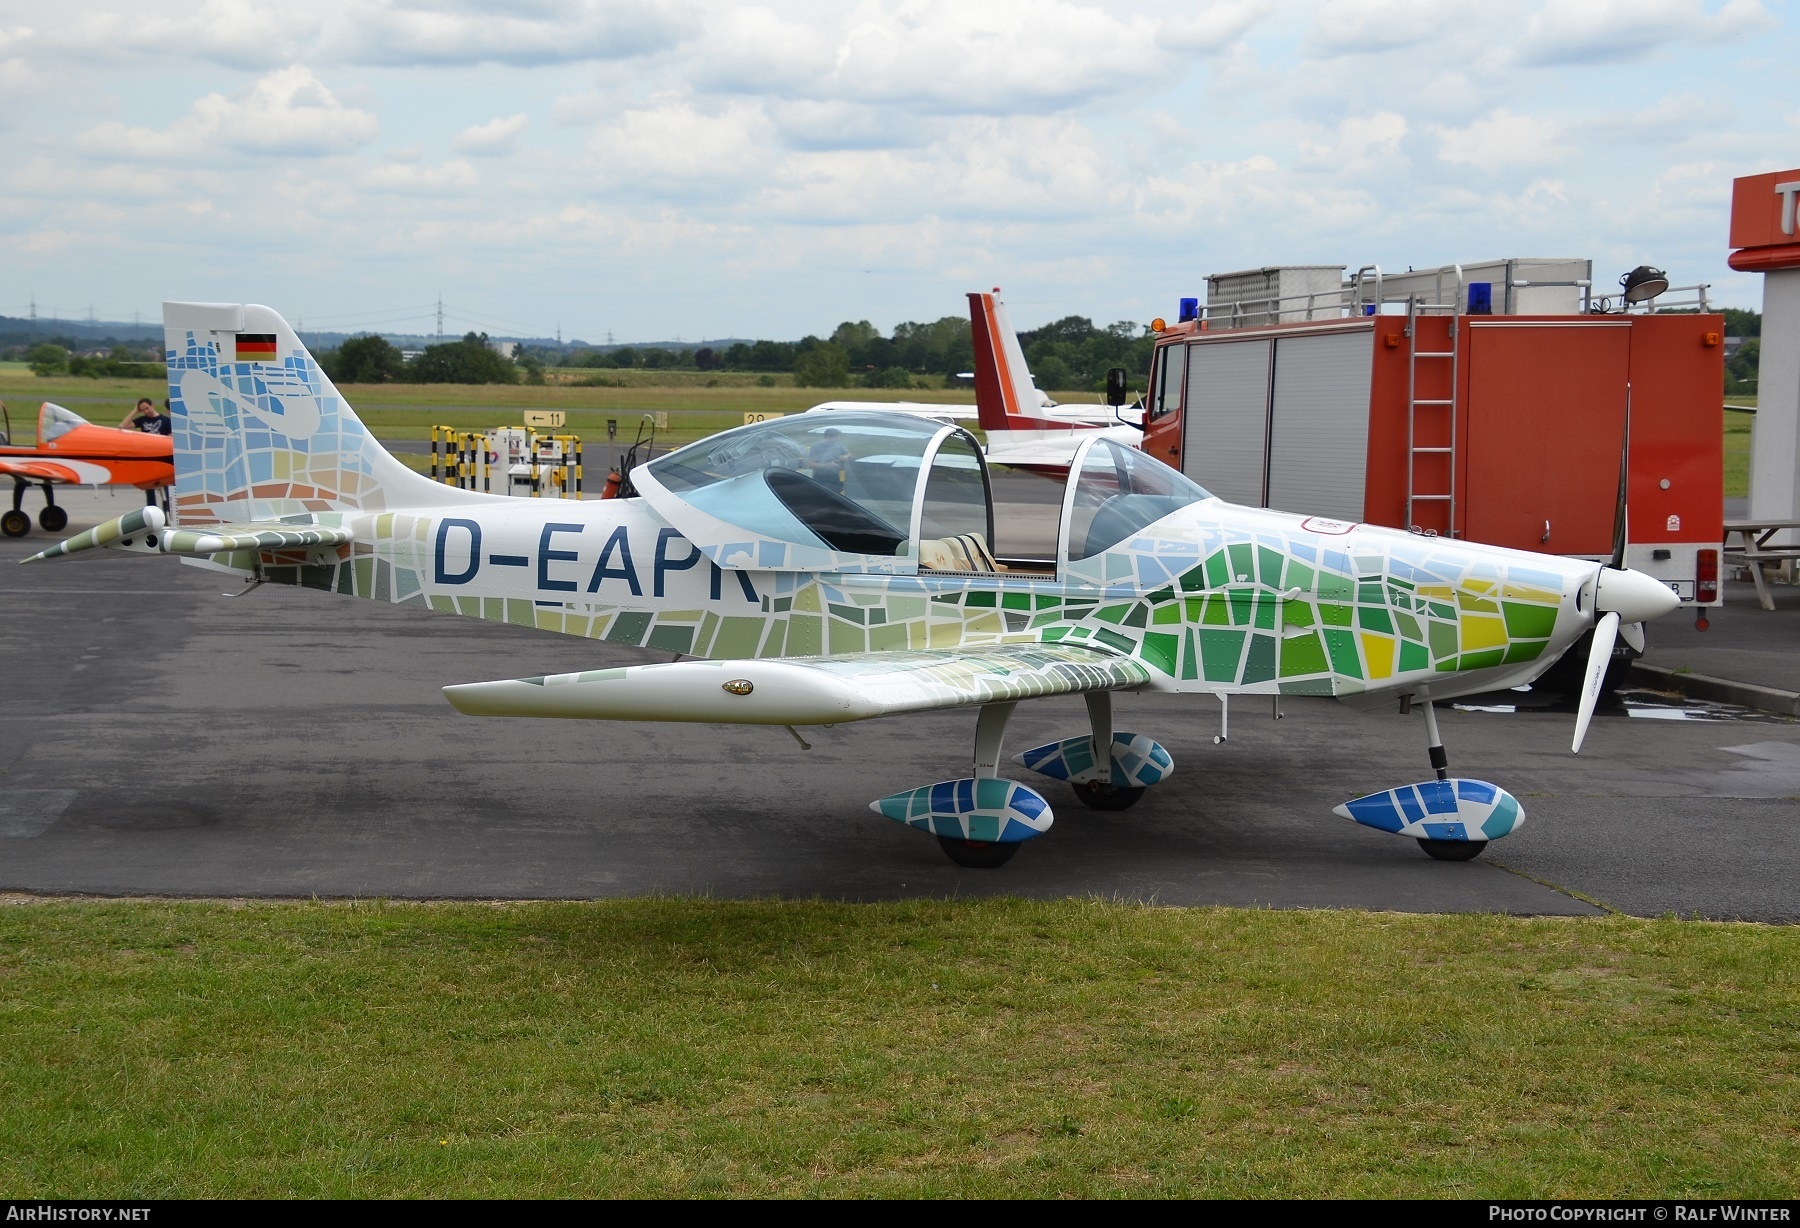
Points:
[(1633, 596)]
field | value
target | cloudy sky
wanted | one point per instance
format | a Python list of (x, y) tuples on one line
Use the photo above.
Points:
[(655, 169)]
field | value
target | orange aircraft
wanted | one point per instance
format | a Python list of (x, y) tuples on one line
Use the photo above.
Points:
[(70, 450)]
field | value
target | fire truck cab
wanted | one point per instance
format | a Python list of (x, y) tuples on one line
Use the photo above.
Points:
[(1429, 401)]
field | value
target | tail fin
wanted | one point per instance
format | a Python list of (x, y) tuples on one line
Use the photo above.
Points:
[(261, 433), (1005, 396)]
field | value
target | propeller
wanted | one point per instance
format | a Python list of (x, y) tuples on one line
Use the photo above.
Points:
[(1623, 599), (1598, 659)]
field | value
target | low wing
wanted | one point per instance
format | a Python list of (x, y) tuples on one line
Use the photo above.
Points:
[(143, 529), (807, 691), (38, 470)]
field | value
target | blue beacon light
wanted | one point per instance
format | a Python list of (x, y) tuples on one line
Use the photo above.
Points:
[(1190, 309)]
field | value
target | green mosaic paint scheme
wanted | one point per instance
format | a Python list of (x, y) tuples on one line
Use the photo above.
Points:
[(1219, 598), (1341, 633)]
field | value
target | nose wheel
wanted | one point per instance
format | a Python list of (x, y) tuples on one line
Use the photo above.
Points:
[(977, 854), (1453, 850)]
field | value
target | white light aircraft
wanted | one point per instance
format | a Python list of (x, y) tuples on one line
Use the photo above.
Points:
[(819, 578)]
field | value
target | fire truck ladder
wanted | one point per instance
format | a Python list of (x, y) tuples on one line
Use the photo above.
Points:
[(1435, 407)]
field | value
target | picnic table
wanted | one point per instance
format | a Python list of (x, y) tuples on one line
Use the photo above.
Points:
[(1756, 552)]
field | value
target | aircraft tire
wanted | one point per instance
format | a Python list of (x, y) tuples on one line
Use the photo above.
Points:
[(1097, 796), (1453, 850), (15, 524), (53, 519), (977, 854)]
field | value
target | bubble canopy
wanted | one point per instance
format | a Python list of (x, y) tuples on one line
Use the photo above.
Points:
[(837, 489), (863, 490)]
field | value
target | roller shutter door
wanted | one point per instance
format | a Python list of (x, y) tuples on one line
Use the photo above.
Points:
[(1225, 420), (1319, 424)]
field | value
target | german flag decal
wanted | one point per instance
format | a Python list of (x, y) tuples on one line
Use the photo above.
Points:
[(256, 347)]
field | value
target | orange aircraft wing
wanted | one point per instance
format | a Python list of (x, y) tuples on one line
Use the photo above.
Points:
[(37, 470)]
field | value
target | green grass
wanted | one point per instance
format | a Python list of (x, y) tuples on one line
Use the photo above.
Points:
[(686, 1047), (1737, 446)]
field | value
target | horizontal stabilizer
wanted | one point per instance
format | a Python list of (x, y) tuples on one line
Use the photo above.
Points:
[(806, 691), (143, 528)]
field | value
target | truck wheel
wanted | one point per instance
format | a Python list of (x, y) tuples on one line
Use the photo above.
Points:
[(15, 524), (977, 854)]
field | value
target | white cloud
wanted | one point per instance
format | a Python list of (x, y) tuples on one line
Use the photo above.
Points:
[(237, 33), (1502, 140), (1353, 27), (940, 56), (1210, 28), (1670, 119), (409, 179), (494, 139), (287, 112), (1601, 31), (674, 147), (1358, 145), (524, 32)]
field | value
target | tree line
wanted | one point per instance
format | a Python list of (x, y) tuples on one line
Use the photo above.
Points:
[(1072, 353), (62, 357)]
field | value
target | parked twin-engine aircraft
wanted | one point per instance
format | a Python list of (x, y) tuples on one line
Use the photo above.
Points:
[(833, 567), (71, 451)]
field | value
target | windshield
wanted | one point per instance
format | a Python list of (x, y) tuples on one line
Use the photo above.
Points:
[(843, 480), (54, 421), (1118, 491)]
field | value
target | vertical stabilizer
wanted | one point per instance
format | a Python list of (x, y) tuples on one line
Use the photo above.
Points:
[(261, 433), (1006, 399)]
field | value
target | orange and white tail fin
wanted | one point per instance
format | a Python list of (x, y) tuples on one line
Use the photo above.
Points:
[(1006, 399)]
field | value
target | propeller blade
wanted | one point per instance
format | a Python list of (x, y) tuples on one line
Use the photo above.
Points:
[(1598, 658), (1633, 634), (1619, 508)]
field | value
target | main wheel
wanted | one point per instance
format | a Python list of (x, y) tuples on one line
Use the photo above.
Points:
[(1097, 796), (1453, 850), (53, 518), (977, 854), (15, 524)]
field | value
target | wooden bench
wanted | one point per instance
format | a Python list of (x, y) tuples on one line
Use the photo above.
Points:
[(1756, 552)]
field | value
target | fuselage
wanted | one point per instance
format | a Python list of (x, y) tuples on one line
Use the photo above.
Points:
[(1214, 597)]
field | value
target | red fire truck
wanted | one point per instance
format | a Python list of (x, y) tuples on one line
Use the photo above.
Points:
[(1427, 401)]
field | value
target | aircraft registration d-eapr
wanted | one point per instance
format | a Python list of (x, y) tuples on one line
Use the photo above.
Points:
[(832, 567)]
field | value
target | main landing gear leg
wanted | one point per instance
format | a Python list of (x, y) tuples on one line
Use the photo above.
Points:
[(16, 523), (53, 518), (1101, 793), (990, 732), (1444, 850)]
